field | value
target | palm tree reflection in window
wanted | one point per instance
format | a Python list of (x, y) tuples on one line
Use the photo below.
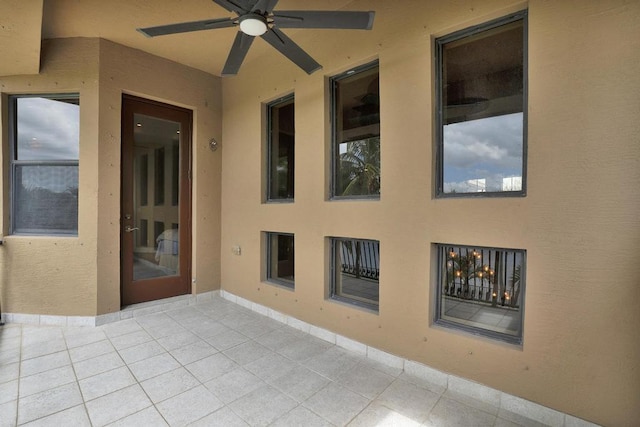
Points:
[(360, 167)]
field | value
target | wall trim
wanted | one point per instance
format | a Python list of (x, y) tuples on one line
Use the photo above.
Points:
[(128, 312)]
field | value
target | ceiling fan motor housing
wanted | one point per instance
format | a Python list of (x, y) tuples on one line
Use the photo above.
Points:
[(253, 24)]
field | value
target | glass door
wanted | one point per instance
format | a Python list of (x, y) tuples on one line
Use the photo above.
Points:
[(155, 236)]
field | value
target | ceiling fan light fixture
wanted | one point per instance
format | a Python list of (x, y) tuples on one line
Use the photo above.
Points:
[(253, 24)]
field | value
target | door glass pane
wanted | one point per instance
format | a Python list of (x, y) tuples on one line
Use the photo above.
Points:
[(155, 213)]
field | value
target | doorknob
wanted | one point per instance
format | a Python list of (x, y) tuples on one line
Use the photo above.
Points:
[(128, 229)]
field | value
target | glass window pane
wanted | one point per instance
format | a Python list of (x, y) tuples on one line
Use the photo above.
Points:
[(281, 150), (356, 122), (46, 199), (356, 265), (281, 259), (482, 92), (47, 128), (482, 289)]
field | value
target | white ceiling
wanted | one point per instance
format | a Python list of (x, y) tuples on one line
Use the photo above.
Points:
[(117, 20)]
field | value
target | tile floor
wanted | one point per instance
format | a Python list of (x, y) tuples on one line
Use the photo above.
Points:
[(212, 364)]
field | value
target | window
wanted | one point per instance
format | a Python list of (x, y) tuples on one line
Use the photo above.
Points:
[(355, 115), (481, 121), (281, 150), (280, 259), (481, 290), (355, 267), (44, 164)]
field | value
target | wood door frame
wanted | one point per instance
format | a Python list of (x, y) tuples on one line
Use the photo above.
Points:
[(134, 292)]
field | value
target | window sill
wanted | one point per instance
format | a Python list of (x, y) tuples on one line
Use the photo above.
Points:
[(369, 308), (489, 336), (290, 286), (354, 198), (278, 201)]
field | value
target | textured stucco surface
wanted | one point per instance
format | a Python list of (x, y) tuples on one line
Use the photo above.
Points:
[(80, 276), (20, 34), (579, 221)]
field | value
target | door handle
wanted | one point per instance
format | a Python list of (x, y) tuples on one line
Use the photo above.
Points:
[(128, 229)]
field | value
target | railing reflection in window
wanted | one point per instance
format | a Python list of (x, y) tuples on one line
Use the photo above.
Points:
[(361, 258), (482, 289), (356, 271)]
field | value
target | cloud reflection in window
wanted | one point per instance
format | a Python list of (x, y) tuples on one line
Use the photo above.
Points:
[(48, 129)]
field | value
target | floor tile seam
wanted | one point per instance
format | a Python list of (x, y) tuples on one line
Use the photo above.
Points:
[(12, 379), (52, 413), (19, 376), (153, 404), (57, 412), (180, 394), (503, 419), (103, 372), (135, 378), (132, 345), (496, 415), (203, 417), (86, 401), (74, 380), (271, 381), (154, 376), (358, 414), (300, 405), (200, 383), (196, 360), (432, 408), (137, 412), (331, 382), (371, 363), (460, 401), (122, 418), (75, 376), (371, 399), (314, 412), (237, 414)]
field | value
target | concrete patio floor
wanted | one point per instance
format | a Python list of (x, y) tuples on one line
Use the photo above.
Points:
[(215, 364)]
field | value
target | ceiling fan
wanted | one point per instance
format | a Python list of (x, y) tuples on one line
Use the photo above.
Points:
[(257, 18)]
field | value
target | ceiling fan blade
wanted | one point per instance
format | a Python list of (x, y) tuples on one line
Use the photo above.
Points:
[(291, 50), (239, 50), (185, 27), (238, 6), (323, 19), (264, 6)]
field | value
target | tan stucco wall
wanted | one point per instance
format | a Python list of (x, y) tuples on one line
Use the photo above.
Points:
[(57, 275), (134, 72), (80, 276), (20, 34), (579, 221)]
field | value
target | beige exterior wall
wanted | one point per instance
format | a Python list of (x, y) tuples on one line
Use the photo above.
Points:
[(80, 276), (579, 221)]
